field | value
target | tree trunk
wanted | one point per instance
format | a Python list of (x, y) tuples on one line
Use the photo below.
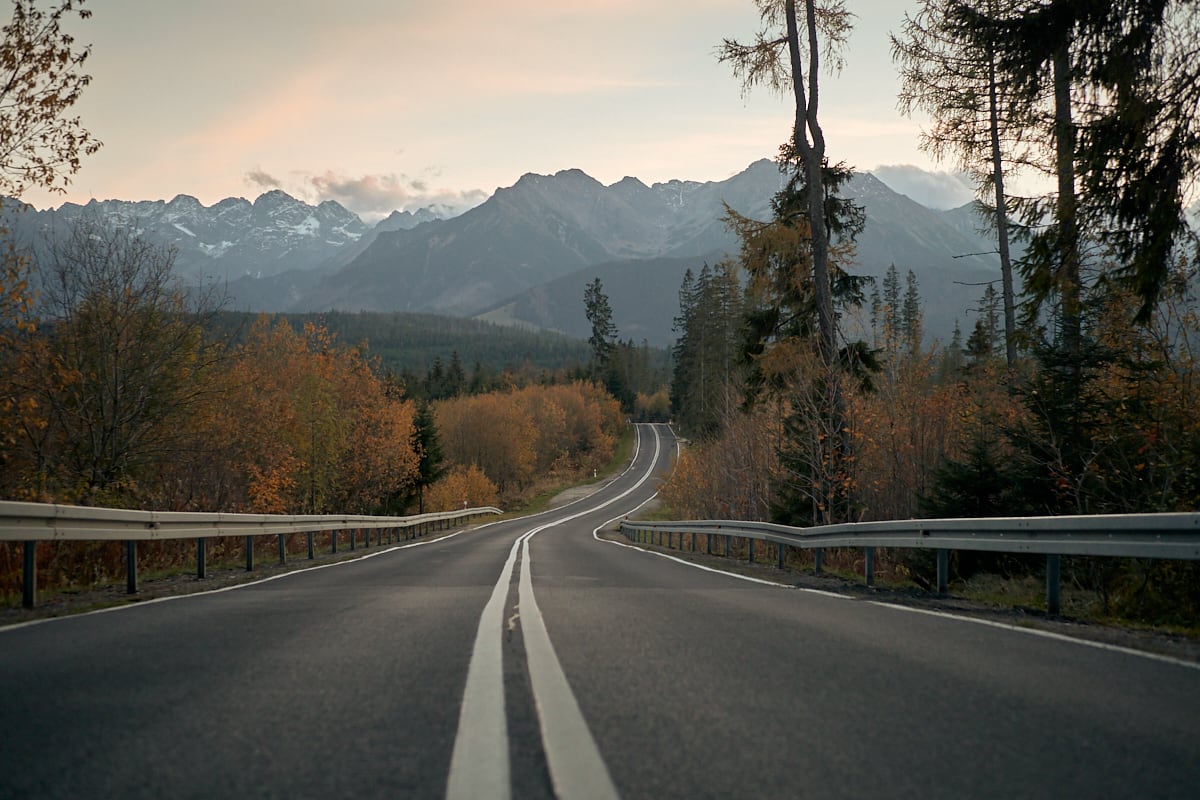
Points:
[(812, 155), (1006, 277), (1068, 236)]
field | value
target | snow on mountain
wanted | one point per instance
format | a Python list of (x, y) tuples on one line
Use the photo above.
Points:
[(236, 237)]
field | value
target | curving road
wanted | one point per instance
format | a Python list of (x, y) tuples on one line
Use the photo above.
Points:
[(528, 659)]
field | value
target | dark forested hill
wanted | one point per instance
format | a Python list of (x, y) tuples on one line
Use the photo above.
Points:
[(411, 342)]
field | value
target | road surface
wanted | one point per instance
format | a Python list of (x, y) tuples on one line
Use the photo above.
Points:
[(530, 659)]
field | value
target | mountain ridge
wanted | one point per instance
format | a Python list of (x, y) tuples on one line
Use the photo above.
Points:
[(280, 254)]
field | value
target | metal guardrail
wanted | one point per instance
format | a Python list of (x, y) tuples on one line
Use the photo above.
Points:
[(1170, 536), (31, 523)]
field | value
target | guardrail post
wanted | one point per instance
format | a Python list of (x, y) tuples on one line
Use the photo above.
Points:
[(728, 545), (131, 567), (333, 541), (249, 553), (750, 549), (869, 567), (708, 544), (818, 560), (312, 553), (201, 558), (282, 549), (353, 538), (943, 570), (1053, 568), (780, 550), (29, 574)]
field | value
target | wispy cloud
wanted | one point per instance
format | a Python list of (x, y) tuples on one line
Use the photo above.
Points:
[(256, 177), (375, 196), (931, 189)]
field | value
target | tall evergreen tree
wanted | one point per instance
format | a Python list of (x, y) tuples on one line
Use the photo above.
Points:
[(707, 372), (431, 465), (599, 314), (950, 71)]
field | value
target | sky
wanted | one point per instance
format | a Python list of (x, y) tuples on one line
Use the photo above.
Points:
[(397, 104)]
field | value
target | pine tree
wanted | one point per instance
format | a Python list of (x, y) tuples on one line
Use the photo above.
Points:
[(911, 316), (426, 443), (599, 315)]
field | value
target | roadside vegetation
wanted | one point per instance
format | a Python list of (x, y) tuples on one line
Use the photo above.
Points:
[(812, 395)]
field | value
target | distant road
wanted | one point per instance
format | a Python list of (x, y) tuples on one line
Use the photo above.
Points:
[(526, 658)]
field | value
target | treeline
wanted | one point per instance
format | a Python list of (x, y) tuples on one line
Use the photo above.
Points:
[(634, 374), (413, 345), (123, 389), (522, 437)]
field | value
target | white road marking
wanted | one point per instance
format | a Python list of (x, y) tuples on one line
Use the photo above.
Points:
[(1059, 637), (895, 606), (576, 767), (259, 582), (479, 765)]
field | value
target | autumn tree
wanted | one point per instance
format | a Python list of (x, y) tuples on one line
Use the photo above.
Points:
[(41, 78), (122, 361), (317, 430), (787, 56), (517, 435), (777, 59), (463, 487)]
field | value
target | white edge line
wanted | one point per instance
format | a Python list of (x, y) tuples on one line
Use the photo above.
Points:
[(260, 581), (1060, 637), (139, 604), (596, 536), (991, 623)]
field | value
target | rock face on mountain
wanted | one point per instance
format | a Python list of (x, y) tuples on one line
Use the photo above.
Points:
[(943, 249), (541, 228)]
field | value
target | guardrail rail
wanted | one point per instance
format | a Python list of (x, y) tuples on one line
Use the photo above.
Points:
[(31, 523), (1169, 536)]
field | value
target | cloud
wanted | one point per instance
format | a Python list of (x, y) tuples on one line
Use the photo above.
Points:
[(938, 190), (376, 196), (256, 177)]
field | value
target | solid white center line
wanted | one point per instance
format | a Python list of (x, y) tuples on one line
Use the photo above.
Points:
[(479, 764), (576, 767)]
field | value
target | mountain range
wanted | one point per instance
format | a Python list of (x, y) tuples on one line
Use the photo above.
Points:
[(524, 255)]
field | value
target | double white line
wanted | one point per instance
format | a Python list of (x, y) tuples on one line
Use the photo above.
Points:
[(479, 765)]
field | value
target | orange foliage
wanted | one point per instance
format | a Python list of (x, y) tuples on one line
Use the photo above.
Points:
[(462, 487), (728, 477), (312, 428), (516, 435)]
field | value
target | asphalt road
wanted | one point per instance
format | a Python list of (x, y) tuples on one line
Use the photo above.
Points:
[(528, 658)]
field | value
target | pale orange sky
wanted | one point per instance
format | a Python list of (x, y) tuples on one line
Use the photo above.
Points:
[(384, 104)]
